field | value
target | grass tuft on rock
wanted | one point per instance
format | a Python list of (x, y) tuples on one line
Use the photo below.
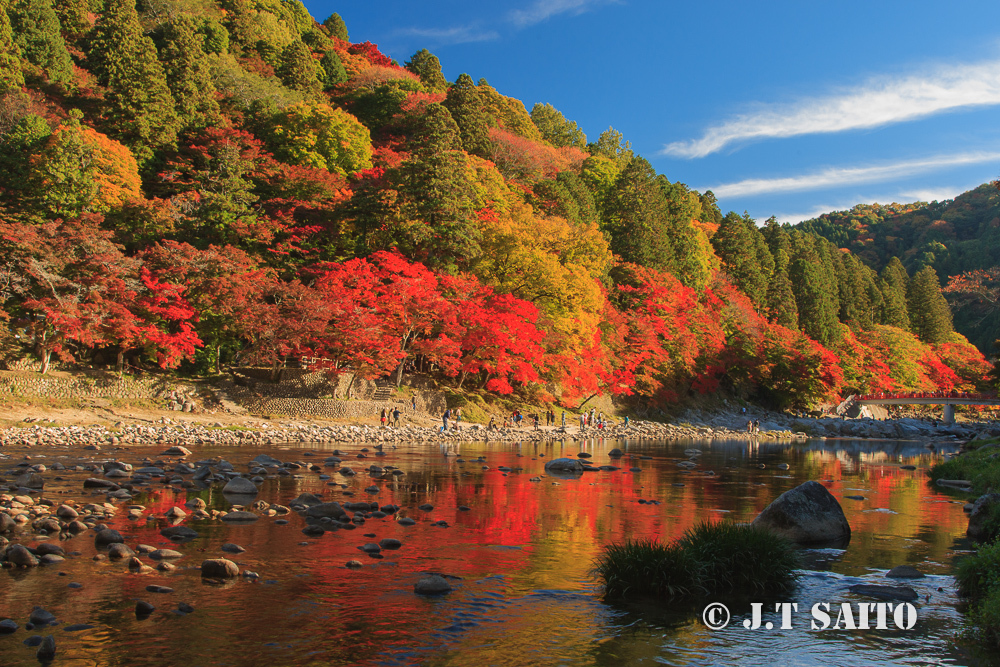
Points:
[(712, 558)]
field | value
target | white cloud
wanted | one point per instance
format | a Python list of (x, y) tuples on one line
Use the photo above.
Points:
[(840, 176), (935, 194), (544, 9), (457, 35), (880, 101)]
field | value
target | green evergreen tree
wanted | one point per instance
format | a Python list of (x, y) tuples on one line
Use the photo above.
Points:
[(38, 33), (298, 69), (781, 307), (855, 303), (188, 74), (893, 283), (555, 128), (816, 293), (17, 147), (710, 212), (333, 71), (139, 108), (435, 132), (215, 37), (635, 218), (63, 176), (469, 112), (929, 313), (426, 65), (11, 77), (337, 27), (74, 17), (745, 257), (613, 146)]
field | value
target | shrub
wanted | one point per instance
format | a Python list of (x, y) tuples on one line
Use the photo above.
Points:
[(980, 466), (979, 574), (740, 558), (648, 567), (723, 557)]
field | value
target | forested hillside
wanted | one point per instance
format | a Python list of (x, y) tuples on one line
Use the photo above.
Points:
[(193, 184), (960, 238)]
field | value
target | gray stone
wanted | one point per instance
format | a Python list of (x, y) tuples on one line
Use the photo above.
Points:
[(432, 585), (179, 533), (564, 465), (982, 509), (108, 536), (219, 568), (807, 514), (19, 556), (119, 551), (47, 649), (307, 500), (904, 593), (177, 451), (264, 459), (231, 548), (165, 554), (904, 572), (40, 617), (7, 524), (46, 548), (98, 483), (7, 626), (143, 609), (330, 510), (240, 486), (67, 512), (240, 517), (31, 480)]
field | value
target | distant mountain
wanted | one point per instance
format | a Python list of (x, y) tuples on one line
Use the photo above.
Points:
[(953, 236)]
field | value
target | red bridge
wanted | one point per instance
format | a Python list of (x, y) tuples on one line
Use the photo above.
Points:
[(947, 399)]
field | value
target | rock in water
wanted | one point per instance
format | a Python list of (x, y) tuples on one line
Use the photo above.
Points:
[(904, 572), (331, 510), (240, 486), (143, 609), (240, 517), (108, 536), (982, 509), (7, 626), (564, 465), (19, 556), (807, 514), (40, 617), (179, 533), (432, 585), (904, 593), (219, 568), (47, 649)]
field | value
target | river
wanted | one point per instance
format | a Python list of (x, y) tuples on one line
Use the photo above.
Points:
[(520, 559)]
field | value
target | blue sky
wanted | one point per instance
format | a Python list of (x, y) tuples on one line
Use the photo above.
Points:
[(781, 108)]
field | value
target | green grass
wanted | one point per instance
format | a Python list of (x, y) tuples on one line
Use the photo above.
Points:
[(709, 559), (978, 578), (981, 466)]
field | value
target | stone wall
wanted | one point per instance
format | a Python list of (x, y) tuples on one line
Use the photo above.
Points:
[(105, 386), (304, 393), (303, 383)]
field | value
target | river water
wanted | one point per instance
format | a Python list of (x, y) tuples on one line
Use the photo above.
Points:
[(520, 558)]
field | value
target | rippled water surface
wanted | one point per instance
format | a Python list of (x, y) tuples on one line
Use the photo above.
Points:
[(521, 557)]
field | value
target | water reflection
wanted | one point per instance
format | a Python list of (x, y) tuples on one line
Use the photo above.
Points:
[(523, 553)]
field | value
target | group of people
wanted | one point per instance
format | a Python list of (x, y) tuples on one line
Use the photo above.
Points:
[(753, 426), (388, 414), (455, 416)]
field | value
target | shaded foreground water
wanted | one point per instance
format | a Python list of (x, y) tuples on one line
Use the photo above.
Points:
[(523, 553)]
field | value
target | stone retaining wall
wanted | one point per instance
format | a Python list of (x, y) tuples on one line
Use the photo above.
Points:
[(114, 387), (305, 383)]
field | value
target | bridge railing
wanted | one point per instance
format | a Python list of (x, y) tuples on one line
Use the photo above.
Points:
[(965, 395)]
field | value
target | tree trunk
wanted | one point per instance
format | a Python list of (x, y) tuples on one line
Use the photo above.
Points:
[(579, 407), (399, 374), (461, 378), (218, 359), (120, 364), (349, 385), (46, 356)]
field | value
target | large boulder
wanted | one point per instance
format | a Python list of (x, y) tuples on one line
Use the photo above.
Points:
[(330, 510), (108, 536), (240, 486), (564, 466), (979, 528), (807, 514), (19, 556), (219, 568)]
